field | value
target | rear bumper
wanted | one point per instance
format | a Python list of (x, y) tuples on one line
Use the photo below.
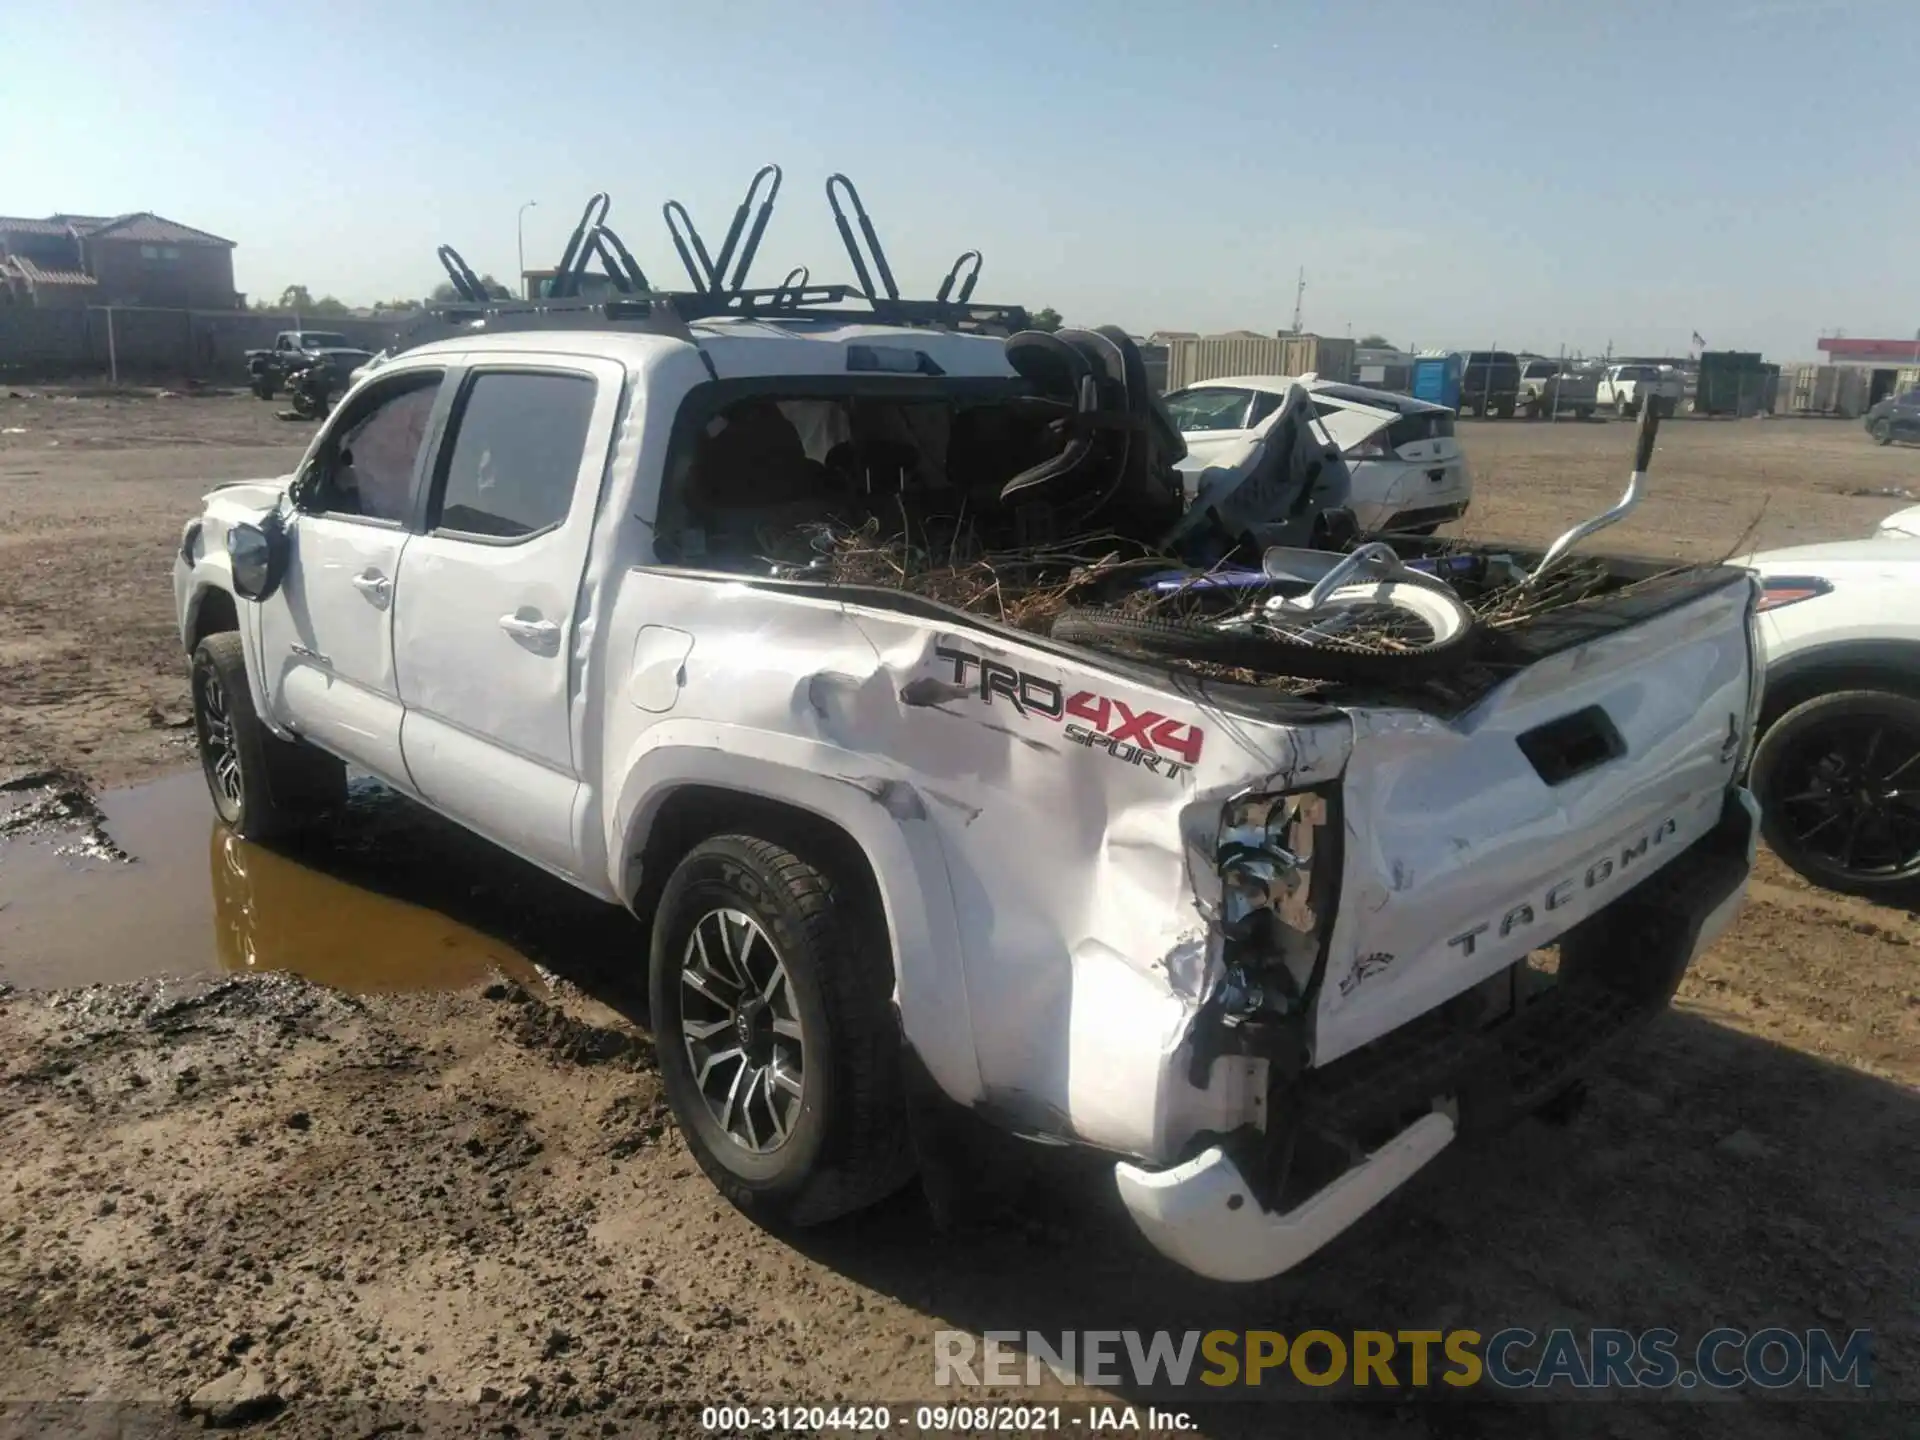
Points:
[(1426, 515), (1204, 1216), (1225, 1213)]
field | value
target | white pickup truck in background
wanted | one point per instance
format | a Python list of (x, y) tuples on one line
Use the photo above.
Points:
[(1624, 388), (1267, 950)]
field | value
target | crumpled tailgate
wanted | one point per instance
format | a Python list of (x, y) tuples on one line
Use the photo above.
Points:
[(1473, 840)]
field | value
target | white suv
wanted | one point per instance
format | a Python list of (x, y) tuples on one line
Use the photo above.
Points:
[(1837, 769)]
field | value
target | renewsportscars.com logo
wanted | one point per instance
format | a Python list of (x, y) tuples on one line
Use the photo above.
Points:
[(1514, 1358)]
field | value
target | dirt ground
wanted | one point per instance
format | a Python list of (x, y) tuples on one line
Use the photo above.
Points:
[(372, 1202)]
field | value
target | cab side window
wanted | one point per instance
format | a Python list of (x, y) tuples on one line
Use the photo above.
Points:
[(366, 469)]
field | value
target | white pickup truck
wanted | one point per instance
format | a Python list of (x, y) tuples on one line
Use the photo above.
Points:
[(1624, 388), (1267, 951)]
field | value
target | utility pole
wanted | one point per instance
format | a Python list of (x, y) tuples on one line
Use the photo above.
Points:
[(520, 238), (1299, 298)]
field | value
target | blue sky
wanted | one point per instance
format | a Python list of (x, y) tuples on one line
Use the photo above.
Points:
[(1529, 173)]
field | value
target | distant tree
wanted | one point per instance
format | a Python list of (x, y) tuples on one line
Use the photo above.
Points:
[(1046, 318), (295, 297), (397, 305), (329, 305), (444, 291), (1375, 342)]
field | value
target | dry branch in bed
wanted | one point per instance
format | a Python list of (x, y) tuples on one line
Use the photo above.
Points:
[(1572, 580), (1024, 588)]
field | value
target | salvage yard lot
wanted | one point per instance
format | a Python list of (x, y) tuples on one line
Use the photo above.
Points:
[(447, 1195)]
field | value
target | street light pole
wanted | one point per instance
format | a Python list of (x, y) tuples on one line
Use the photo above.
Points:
[(520, 237)]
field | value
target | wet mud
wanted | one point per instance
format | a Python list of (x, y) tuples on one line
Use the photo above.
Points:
[(144, 882)]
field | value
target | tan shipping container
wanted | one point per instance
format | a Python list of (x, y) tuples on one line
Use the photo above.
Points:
[(1330, 359), (1824, 390), (1210, 357)]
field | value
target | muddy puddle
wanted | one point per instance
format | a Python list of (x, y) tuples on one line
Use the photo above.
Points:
[(145, 882)]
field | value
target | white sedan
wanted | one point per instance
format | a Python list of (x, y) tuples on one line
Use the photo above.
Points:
[(1408, 472)]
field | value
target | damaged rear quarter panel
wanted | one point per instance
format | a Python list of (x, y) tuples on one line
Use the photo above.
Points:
[(1042, 828)]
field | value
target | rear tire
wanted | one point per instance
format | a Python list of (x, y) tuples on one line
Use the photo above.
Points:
[(262, 787), (785, 963), (1819, 774)]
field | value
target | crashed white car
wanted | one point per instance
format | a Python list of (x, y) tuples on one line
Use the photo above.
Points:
[(1267, 950), (1408, 473)]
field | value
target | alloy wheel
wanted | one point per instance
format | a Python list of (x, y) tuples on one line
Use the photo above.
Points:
[(1851, 798), (219, 752), (741, 1026)]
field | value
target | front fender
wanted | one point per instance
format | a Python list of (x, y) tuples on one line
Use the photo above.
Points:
[(887, 818)]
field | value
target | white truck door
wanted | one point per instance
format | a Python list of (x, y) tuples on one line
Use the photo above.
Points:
[(486, 624), (327, 632)]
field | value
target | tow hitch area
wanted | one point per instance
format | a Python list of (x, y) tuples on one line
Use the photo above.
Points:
[(1342, 1137)]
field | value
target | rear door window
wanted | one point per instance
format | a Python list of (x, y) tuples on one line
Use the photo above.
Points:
[(1210, 409), (518, 440)]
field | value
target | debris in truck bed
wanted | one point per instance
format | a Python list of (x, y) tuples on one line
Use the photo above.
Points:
[(1023, 588)]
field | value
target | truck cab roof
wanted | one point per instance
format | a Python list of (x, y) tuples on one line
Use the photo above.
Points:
[(740, 348)]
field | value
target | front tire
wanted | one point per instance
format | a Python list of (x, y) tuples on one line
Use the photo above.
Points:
[(1882, 433), (770, 991), (1838, 780), (263, 787)]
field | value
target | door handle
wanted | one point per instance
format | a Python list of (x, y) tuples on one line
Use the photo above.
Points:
[(542, 633), (375, 586)]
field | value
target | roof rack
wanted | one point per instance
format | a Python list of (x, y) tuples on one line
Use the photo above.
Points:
[(466, 284), (717, 294), (710, 273)]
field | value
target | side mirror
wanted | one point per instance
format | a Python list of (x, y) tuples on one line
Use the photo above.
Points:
[(258, 557)]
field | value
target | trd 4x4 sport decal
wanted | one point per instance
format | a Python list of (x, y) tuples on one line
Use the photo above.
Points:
[(1146, 738)]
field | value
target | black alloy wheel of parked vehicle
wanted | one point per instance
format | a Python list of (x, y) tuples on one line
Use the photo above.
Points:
[(1838, 780)]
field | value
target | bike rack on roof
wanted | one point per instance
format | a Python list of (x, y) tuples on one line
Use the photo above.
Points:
[(716, 294), (466, 284), (709, 272), (573, 257), (839, 184), (973, 277)]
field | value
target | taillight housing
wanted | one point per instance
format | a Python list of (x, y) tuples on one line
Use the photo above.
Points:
[(1277, 857), (1778, 590)]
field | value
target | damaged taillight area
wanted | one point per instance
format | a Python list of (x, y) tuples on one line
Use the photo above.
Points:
[(1278, 877)]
